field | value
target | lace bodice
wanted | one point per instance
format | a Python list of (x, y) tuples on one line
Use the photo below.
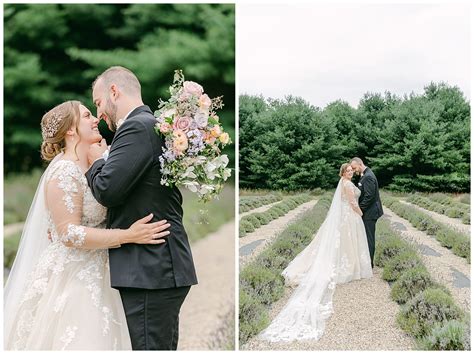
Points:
[(73, 271), (66, 180), (350, 194)]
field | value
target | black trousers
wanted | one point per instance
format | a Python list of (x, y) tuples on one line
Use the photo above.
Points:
[(370, 231), (153, 316)]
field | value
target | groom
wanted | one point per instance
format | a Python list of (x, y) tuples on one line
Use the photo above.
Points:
[(153, 280), (369, 201)]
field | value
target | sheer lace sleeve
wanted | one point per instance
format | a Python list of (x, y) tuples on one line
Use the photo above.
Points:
[(350, 195), (65, 188)]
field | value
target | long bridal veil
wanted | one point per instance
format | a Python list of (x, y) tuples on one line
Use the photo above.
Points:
[(33, 241), (314, 272)]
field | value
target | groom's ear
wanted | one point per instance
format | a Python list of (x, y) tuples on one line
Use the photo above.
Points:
[(114, 91)]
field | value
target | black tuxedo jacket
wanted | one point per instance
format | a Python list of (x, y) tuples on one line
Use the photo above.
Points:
[(128, 184), (369, 200)]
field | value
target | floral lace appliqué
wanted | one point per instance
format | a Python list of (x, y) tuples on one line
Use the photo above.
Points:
[(68, 336), (75, 234)]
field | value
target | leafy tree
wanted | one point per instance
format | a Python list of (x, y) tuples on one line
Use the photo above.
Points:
[(53, 52), (418, 142)]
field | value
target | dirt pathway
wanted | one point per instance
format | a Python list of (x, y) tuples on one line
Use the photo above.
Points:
[(255, 242), (207, 309)]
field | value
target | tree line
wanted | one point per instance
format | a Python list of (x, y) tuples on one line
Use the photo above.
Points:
[(416, 142), (53, 52)]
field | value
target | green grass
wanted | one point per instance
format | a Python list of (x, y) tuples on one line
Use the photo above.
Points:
[(19, 191), (465, 198), (10, 246), (202, 219)]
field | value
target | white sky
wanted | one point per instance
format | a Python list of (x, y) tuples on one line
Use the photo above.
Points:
[(323, 52)]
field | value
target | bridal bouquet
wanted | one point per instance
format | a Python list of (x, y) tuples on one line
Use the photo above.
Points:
[(194, 139)]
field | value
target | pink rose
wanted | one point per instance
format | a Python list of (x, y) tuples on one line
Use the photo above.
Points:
[(193, 88), (182, 123), (205, 102), (165, 127)]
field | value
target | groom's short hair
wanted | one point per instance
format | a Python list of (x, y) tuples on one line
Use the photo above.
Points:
[(358, 160), (122, 77)]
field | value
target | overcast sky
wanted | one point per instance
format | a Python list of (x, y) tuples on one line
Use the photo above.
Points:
[(325, 52)]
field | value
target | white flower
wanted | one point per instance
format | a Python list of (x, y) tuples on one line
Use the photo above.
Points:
[(221, 161), (206, 188), (189, 173), (191, 185), (168, 113), (210, 169), (201, 118), (226, 174)]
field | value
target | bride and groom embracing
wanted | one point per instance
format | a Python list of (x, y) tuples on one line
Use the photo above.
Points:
[(341, 251), (104, 261)]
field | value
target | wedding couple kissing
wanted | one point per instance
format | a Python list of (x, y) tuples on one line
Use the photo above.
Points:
[(104, 261), (341, 251)]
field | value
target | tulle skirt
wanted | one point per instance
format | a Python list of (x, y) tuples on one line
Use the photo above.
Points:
[(339, 253), (70, 305)]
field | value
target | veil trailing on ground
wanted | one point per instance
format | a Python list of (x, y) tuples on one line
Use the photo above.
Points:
[(33, 241), (314, 273)]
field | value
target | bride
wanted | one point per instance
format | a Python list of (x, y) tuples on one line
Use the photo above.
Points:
[(338, 254), (58, 295)]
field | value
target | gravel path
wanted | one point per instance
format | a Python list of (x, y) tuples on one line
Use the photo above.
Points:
[(264, 235), (209, 304), (452, 222), (260, 209), (445, 267), (363, 319)]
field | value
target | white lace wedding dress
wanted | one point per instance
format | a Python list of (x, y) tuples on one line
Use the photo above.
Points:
[(338, 254), (67, 302)]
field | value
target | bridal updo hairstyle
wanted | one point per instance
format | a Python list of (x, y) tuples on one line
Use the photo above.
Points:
[(54, 126), (343, 169)]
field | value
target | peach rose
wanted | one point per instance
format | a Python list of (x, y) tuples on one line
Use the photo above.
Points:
[(224, 138), (180, 141), (179, 135), (216, 131), (204, 102)]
